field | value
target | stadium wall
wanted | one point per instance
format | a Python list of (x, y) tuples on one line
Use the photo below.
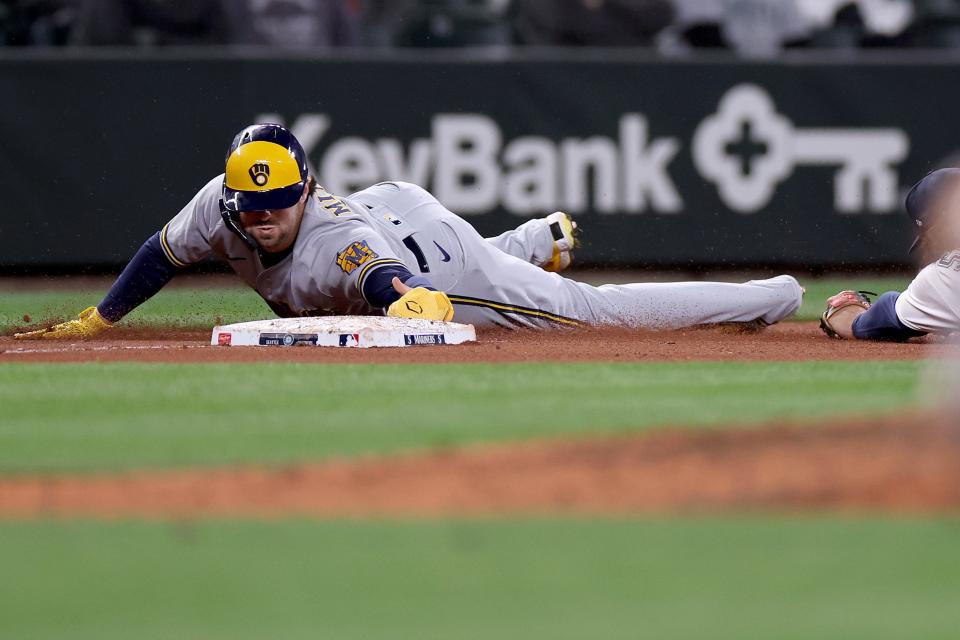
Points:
[(801, 162)]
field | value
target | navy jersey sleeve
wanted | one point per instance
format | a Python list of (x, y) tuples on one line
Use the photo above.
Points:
[(144, 276), (378, 286), (880, 322)]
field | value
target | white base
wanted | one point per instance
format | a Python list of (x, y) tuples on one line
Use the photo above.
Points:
[(342, 331)]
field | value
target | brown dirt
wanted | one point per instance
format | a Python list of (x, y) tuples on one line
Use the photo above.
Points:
[(900, 465), (787, 341), (906, 464)]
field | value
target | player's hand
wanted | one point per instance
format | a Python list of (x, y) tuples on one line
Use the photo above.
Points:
[(420, 303), (88, 323), (841, 312)]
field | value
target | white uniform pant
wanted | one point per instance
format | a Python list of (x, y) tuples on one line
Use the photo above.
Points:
[(497, 282)]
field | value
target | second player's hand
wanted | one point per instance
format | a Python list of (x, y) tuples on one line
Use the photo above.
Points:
[(420, 303), (842, 311)]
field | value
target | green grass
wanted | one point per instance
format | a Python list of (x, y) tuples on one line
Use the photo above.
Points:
[(123, 415), (551, 579), (201, 307)]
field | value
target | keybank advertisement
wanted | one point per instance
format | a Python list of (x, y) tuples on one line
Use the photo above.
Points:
[(473, 169), (664, 164)]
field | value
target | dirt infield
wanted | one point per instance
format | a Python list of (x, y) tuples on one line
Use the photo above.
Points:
[(787, 341), (899, 465), (904, 464)]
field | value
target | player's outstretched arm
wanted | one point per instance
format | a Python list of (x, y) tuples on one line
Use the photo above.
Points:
[(88, 323), (852, 315), (142, 278), (392, 287)]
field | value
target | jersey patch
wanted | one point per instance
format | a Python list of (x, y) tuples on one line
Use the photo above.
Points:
[(357, 254)]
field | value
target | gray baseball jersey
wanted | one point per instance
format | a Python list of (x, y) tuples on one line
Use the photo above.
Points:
[(932, 301), (491, 282)]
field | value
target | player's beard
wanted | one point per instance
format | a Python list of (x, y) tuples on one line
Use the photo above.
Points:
[(278, 232), (271, 238)]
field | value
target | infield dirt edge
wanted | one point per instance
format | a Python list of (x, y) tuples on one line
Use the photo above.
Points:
[(906, 464)]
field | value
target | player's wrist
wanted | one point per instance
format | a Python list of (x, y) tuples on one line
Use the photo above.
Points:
[(844, 319), (842, 311), (102, 319)]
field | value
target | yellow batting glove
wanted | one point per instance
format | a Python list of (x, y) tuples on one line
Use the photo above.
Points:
[(89, 323), (423, 304)]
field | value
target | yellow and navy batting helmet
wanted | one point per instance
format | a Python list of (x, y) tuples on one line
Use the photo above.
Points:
[(266, 169)]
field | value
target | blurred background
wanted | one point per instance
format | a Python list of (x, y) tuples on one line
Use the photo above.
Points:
[(665, 27), (684, 134)]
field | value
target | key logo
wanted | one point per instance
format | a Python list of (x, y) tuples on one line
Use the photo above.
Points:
[(259, 173), (747, 148)]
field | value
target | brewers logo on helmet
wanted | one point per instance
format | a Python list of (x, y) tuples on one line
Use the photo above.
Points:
[(260, 172), (266, 169)]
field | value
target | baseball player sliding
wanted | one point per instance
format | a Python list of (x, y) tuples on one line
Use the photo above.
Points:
[(394, 249), (931, 303)]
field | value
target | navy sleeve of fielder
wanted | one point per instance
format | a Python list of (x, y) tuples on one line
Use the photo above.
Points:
[(378, 288), (880, 322), (144, 276)]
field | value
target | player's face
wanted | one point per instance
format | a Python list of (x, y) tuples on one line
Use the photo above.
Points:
[(274, 230), (952, 219), (943, 233)]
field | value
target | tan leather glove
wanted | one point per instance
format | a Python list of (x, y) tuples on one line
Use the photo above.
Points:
[(842, 309), (420, 303), (89, 323)]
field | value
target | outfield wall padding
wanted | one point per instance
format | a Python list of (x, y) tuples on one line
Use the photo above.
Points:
[(800, 163)]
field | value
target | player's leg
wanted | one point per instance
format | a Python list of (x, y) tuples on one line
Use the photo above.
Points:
[(492, 288), (511, 291), (531, 241), (545, 242), (671, 305)]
